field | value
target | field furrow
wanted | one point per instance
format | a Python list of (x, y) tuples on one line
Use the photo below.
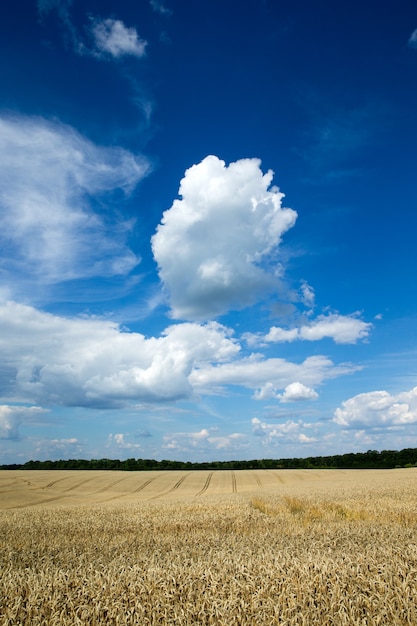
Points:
[(145, 484), (234, 483), (112, 484), (206, 485)]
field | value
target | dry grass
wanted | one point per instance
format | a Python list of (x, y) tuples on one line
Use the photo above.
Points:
[(325, 548)]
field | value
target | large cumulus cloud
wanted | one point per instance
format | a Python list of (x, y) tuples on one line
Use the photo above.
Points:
[(378, 409), (213, 246), (53, 360), (90, 362)]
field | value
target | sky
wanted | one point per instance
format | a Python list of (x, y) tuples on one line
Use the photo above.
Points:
[(207, 228)]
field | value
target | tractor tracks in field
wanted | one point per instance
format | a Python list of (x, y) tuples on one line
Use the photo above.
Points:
[(80, 484), (173, 488), (206, 485), (258, 480), (113, 484), (234, 483), (54, 482), (35, 503), (145, 484), (177, 484)]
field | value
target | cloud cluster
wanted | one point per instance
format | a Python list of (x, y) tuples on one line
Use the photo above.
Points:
[(294, 392), (118, 442), (112, 37), (340, 328), (94, 363), (63, 448), (205, 439), (51, 179), (62, 9), (90, 362), (289, 432), (213, 245), (378, 409), (268, 376)]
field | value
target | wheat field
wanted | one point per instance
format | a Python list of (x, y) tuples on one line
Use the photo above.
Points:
[(261, 547)]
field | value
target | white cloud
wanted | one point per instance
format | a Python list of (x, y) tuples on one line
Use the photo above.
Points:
[(90, 362), (307, 294), (64, 448), (266, 392), (111, 38), (12, 416), (53, 360), (412, 42), (340, 328), (63, 443), (296, 392), (377, 409), (49, 176), (281, 335), (286, 432), (203, 440), (114, 38), (118, 441), (267, 376), (210, 244)]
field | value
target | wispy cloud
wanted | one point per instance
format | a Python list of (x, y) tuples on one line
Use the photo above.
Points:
[(213, 246), (160, 8), (267, 377), (112, 37), (337, 134), (412, 42), (51, 179), (62, 9)]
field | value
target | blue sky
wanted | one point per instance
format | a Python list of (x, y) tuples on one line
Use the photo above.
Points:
[(207, 229)]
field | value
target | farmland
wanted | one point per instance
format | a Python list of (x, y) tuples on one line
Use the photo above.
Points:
[(294, 547)]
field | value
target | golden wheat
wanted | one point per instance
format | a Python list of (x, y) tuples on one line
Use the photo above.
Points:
[(330, 549)]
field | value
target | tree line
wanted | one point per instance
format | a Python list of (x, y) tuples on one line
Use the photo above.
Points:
[(372, 459)]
